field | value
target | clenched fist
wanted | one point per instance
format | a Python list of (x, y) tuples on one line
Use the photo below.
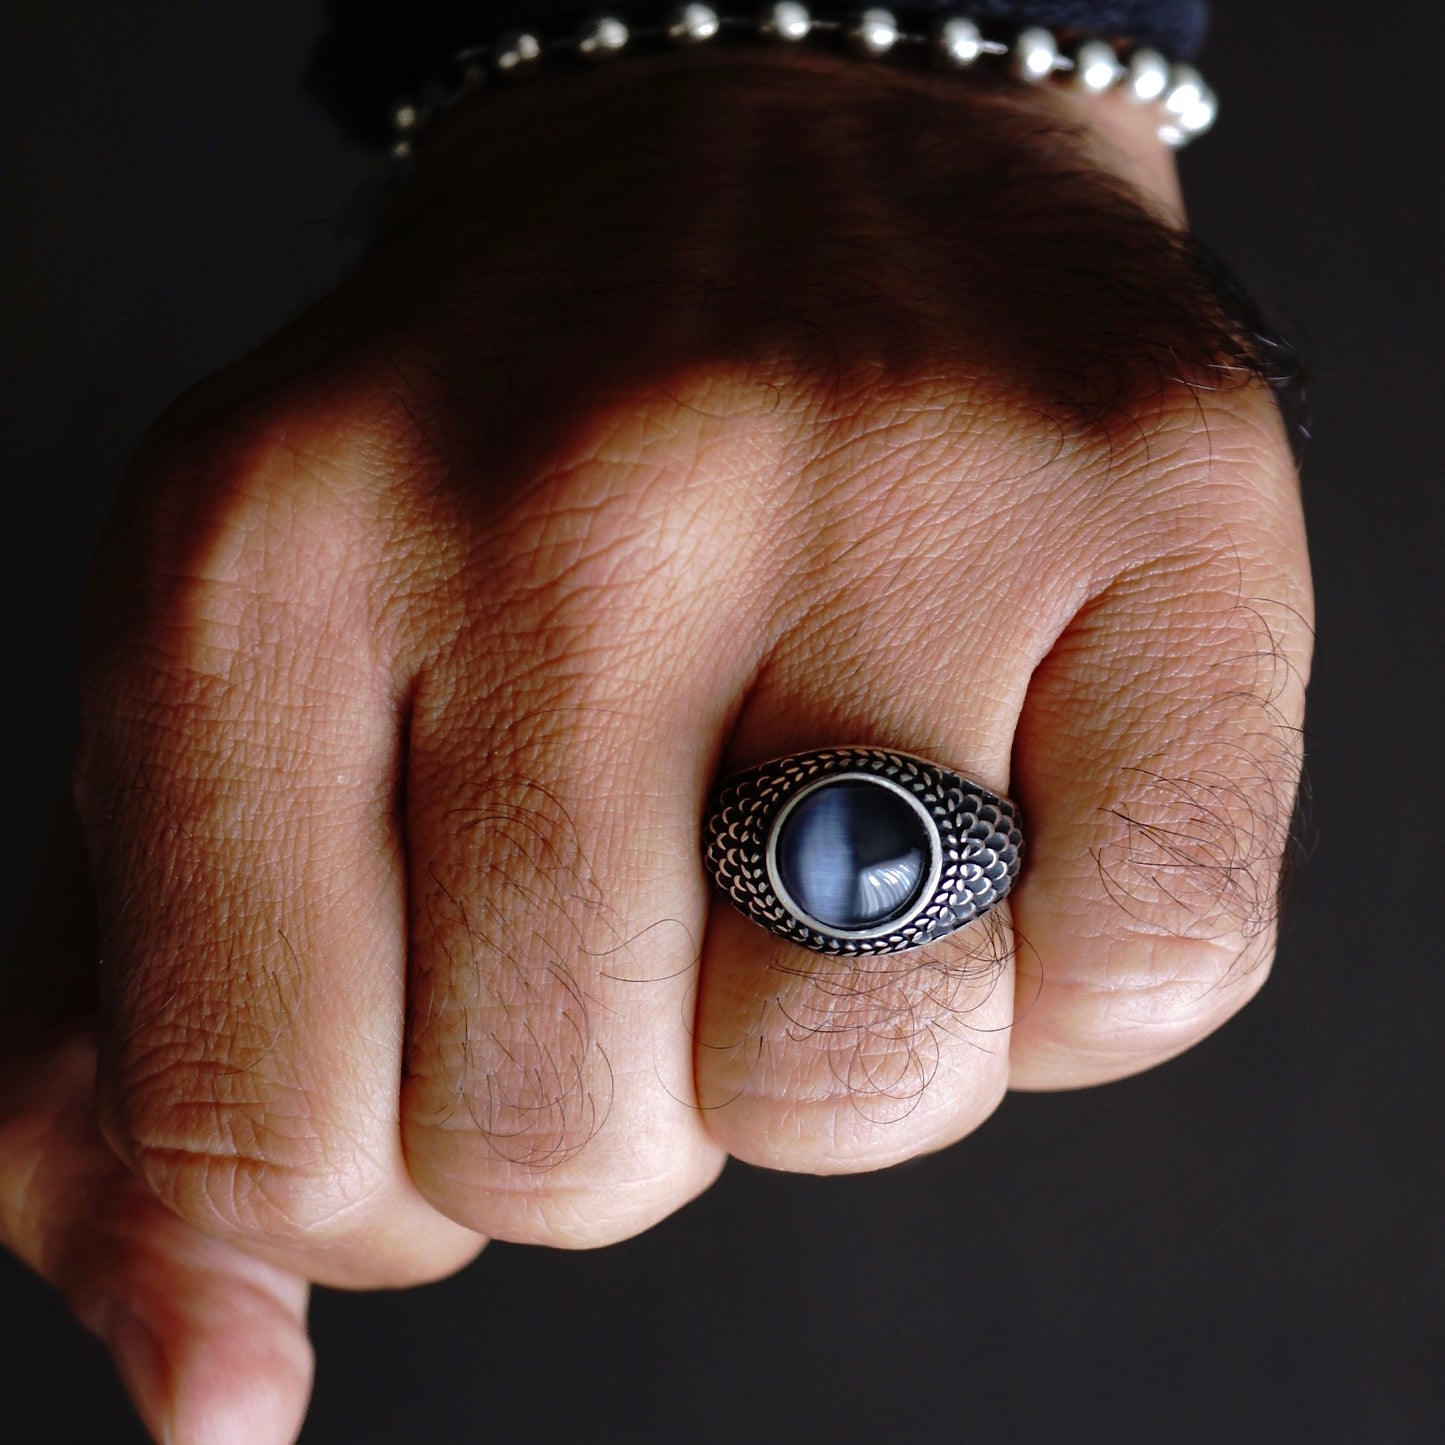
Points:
[(681, 419)]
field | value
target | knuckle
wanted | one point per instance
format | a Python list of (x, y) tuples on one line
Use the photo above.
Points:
[(237, 1196), (1199, 856), (237, 1155), (524, 1117), (617, 1195), (869, 1062), (1196, 754), (225, 611), (519, 1085), (659, 487), (506, 1078), (1150, 998), (221, 533)]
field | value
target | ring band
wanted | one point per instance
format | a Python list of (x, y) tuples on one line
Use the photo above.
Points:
[(860, 850)]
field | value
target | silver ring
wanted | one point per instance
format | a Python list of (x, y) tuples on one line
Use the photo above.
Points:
[(860, 850)]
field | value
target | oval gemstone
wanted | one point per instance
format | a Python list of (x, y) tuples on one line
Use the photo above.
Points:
[(853, 854)]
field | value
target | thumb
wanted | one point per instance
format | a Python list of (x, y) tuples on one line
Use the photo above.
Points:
[(211, 1344)]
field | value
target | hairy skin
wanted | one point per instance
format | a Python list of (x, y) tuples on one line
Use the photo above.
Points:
[(674, 424)]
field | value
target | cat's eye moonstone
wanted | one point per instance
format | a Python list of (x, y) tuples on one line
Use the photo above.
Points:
[(853, 854)]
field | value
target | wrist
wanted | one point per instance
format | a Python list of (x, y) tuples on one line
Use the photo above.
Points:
[(1121, 137), (730, 109)]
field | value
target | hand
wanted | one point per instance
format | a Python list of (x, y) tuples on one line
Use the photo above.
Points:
[(687, 415)]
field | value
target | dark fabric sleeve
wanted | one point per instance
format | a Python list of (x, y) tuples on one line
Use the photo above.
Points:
[(375, 50)]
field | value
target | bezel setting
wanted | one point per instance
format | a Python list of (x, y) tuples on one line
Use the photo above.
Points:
[(975, 839)]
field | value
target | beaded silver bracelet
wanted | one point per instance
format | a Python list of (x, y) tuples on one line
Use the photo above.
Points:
[(1185, 105)]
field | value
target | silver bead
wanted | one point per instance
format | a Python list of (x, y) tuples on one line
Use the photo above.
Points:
[(1184, 91), (516, 53), (692, 24), (956, 42), (1096, 67), (602, 37), (874, 32), (1200, 116), (405, 117), (1190, 109), (786, 20), (1034, 54), (1148, 75)]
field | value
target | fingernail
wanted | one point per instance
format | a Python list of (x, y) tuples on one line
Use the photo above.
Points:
[(142, 1367)]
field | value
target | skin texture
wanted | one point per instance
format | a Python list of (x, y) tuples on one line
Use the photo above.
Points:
[(680, 420)]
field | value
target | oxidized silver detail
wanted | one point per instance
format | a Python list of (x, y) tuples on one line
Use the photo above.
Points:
[(978, 846)]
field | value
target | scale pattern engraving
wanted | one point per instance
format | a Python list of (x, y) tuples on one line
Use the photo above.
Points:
[(979, 833)]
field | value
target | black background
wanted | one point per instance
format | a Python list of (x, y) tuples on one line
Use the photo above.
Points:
[(1244, 1245)]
